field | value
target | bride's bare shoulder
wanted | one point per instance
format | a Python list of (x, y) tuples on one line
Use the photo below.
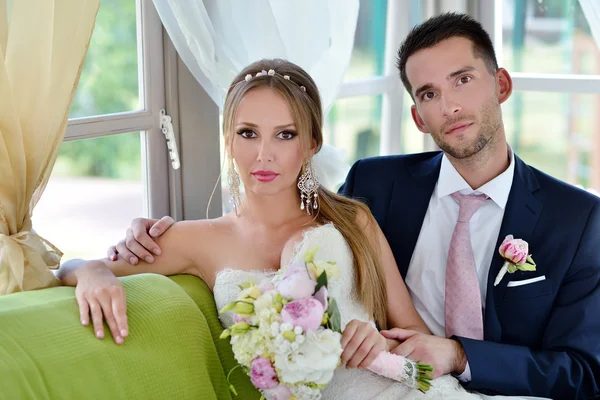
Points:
[(205, 231)]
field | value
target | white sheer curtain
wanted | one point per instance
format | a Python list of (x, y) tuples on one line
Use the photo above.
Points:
[(591, 10), (217, 38)]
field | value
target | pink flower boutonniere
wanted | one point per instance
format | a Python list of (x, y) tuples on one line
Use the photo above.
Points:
[(515, 253)]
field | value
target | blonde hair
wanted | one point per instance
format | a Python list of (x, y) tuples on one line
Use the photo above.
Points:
[(301, 93)]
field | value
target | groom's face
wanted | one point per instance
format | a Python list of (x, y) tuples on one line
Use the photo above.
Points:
[(456, 97)]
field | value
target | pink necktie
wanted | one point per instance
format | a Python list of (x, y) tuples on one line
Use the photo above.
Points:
[(462, 303)]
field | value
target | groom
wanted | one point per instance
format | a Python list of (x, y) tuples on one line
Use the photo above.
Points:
[(445, 215)]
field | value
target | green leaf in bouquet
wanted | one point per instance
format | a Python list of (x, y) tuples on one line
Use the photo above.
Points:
[(310, 255), (247, 284), (321, 281), (335, 322), (228, 307)]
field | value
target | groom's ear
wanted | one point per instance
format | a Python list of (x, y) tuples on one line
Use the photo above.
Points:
[(418, 120), (504, 85)]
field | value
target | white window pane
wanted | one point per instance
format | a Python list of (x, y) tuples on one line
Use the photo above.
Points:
[(368, 53), (557, 133), (93, 194), (547, 36), (109, 80), (354, 124)]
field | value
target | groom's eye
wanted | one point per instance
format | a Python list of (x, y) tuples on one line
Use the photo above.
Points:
[(428, 96), (464, 79)]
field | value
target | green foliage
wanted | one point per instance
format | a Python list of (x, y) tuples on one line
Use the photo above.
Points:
[(108, 84), (116, 156)]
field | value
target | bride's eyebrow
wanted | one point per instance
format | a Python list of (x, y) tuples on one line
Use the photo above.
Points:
[(254, 126)]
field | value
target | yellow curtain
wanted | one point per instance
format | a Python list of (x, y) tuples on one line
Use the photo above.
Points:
[(42, 49)]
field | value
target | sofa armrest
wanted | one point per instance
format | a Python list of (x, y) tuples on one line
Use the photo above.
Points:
[(170, 353)]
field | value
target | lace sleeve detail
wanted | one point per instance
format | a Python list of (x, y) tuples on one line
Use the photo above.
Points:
[(333, 247)]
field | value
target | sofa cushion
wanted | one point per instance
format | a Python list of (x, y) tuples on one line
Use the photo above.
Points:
[(203, 297)]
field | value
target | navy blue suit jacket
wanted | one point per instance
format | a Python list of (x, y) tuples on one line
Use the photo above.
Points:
[(540, 339)]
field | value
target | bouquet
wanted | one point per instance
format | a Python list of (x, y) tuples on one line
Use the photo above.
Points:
[(287, 334)]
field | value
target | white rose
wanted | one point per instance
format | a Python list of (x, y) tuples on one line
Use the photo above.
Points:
[(314, 360)]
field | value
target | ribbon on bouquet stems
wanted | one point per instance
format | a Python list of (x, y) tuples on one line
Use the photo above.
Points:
[(403, 370)]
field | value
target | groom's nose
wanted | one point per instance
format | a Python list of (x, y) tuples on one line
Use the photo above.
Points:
[(449, 105)]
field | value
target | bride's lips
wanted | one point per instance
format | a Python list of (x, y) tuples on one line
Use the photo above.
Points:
[(265, 175)]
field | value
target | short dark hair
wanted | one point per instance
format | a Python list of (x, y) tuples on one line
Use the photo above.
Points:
[(442, 27)]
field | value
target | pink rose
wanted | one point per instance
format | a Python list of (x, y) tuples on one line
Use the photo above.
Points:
[(279, 392), (296, 283), (305, 313), (514, 250), (262, 374)]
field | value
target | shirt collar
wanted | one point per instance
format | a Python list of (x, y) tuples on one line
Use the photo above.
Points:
[(497, 189)]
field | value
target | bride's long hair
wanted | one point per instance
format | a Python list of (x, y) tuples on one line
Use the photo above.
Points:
[(302, 95)]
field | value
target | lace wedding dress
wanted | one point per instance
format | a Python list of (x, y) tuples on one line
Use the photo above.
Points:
[(346, 383)]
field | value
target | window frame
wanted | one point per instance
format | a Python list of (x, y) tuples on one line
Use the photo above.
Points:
[(155, 162), (491, 19)]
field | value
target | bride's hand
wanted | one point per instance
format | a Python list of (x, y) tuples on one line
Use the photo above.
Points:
[(100, 293), (362, 343)]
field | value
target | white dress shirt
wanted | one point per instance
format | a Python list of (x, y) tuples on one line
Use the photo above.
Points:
[(426, 276)]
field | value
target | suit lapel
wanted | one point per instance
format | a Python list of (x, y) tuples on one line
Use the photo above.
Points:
[(520, 217), (408, 206)]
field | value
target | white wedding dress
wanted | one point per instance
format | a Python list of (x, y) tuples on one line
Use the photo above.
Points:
[(346, 383)]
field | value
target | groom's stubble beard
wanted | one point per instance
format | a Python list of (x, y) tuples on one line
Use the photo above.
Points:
[(489, 121)]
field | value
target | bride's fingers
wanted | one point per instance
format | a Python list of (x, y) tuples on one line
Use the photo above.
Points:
[(373, 353), (96, 311), (106, 304), (348, 333), (349, 353), (359, 355), (119, 308), (370, 347), (84, 311)]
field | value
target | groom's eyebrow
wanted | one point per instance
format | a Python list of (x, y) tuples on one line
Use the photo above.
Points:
[(451, 75), (461, 71)]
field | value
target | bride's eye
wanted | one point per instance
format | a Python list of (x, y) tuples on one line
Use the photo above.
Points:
[(247, 134), (287, 135)]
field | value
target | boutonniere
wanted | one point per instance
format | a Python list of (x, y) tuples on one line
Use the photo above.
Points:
[(515, 253)]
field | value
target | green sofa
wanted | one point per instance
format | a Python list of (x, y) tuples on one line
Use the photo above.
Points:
[(173, 350)]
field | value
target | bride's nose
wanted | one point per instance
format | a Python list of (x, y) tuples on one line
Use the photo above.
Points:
[(265, 152)]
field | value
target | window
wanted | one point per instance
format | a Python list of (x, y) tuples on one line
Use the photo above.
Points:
[(112, 166), (552, 117)]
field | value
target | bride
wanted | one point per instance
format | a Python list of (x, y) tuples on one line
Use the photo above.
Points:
[(273, 128)]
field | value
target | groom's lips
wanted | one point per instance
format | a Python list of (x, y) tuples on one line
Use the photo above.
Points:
[(458, 127)]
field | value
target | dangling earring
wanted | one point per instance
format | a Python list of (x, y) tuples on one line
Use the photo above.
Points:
[(309, 187), (233, 180)]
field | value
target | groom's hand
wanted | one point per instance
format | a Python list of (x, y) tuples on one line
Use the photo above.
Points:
[(445, 355), (139, 242)]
